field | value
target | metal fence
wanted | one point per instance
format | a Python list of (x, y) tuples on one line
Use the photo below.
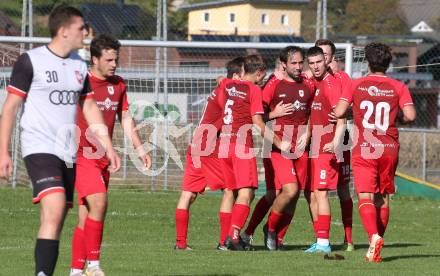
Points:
[(175, 86)]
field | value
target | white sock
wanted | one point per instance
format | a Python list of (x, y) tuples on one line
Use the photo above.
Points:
[(323, 242), (74, 271), (93, 263)]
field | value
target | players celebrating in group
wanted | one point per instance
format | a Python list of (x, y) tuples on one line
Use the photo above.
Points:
[(309, 147), (300, 115)]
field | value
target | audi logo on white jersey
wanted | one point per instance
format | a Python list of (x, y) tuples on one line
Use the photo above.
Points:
[(63, 97)]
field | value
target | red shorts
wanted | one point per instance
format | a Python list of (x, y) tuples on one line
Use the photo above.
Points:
[(374, 175), (91, 178), (344, 169), (239, 172), (290, 170), (209, 174), (324, 172)]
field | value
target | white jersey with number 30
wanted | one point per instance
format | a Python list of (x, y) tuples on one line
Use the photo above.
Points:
[(51, 87)]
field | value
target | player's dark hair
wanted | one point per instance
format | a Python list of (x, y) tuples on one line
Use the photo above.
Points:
[(326, 42), (61, 16), (290, 50), (254, 63), (234, 66), (378, 56), (314, 51), (103, 42)]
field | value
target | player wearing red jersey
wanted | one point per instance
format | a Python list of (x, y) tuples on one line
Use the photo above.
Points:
[(203, 168), (242, 109), (51, 82), (290, 172), (325, 138), (265, 202), (376, 100), (346, 203), (92, 175)]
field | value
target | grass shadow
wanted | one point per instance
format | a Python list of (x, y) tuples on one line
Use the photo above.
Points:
[(389, 245), (292, 247), (394, 258)]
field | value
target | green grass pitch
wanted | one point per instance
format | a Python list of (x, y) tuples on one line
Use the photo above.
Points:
[(139, 237)]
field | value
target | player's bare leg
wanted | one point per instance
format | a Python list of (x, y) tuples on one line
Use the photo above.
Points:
[(279, 213), (182, 219), (225, 216), (240, 213), (313, 209), (346, 204), (368, 214), (382, 201), (52, 213)]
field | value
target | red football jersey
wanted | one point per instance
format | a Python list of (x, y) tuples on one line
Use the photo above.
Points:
[(269, 79), (111, 98), (240, 101), (376, 100), (345, 80), (205, 135), (299, 93), (327, 94)]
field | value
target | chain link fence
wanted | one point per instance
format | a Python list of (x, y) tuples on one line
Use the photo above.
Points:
[(175, 82)]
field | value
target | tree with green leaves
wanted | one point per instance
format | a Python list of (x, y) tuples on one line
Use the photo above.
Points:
[(373, 17)]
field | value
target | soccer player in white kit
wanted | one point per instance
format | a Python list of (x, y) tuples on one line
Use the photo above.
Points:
[(51, 81)]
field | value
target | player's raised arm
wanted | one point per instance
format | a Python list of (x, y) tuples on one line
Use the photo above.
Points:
[(339, 136), (407, 105), (341, 109), (344, 101), (409, 114), (268, 134), (281, 109)]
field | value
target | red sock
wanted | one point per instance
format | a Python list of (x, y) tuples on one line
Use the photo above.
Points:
[(225, 224), (323, 226), (273, 221), (79, 253), (347, 219), (367, 212), (286, 219), (315, 228), (93, 231), (383, 214), (240, 212), (258, 215), (182, 221)]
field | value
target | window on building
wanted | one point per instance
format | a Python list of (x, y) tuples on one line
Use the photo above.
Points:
[(265, 19), (206, 17), (232, 18), (284, 20)]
